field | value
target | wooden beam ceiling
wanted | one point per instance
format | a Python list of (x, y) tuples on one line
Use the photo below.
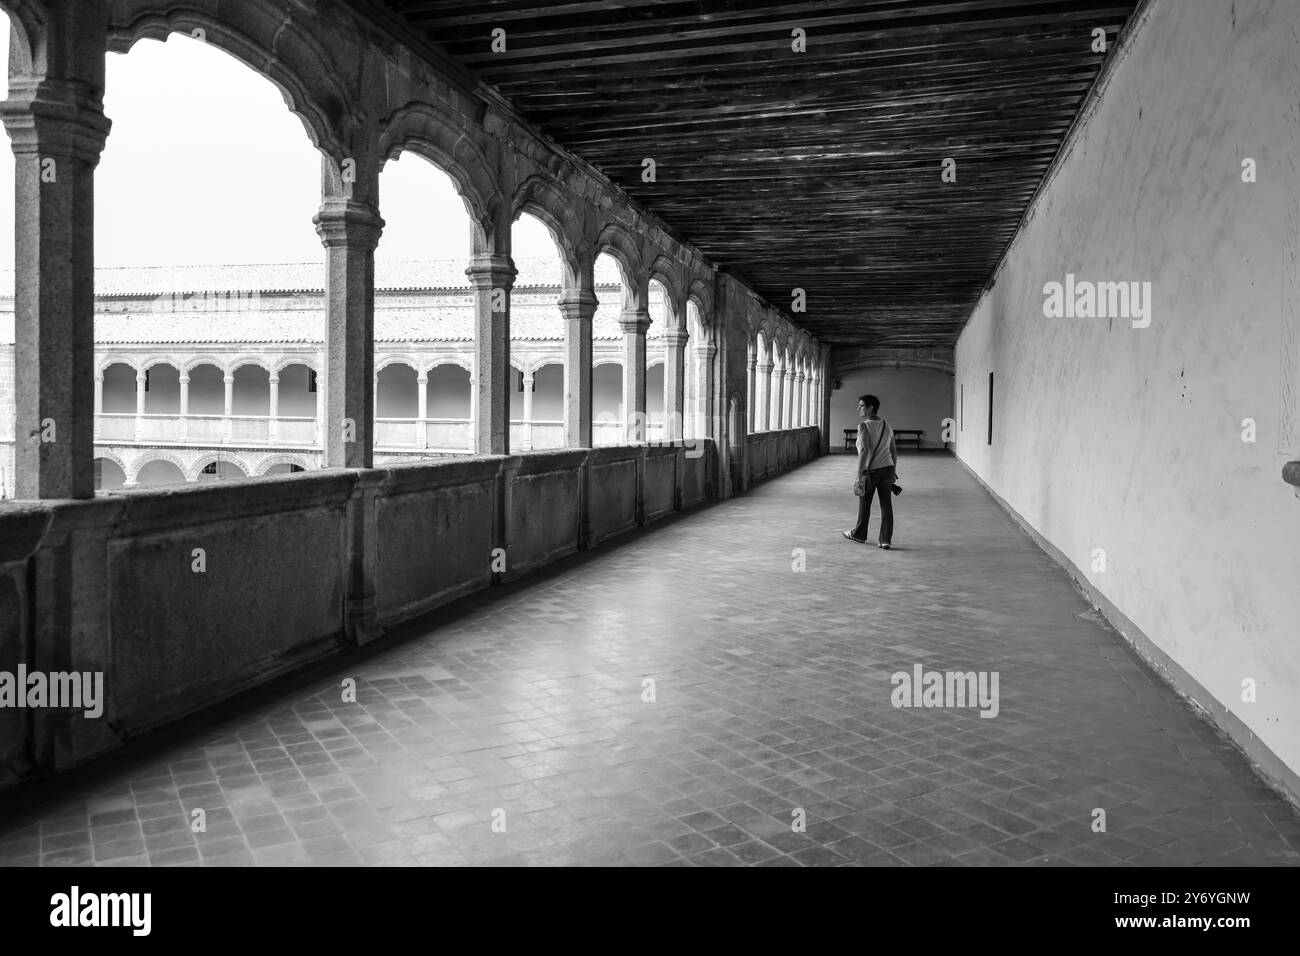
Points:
[(818, 170)]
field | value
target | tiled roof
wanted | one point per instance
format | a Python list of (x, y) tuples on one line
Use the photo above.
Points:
[(447, 321), (415, 274), (437, 324)]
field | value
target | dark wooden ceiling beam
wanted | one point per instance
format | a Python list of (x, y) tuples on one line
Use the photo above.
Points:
[(818, 170)]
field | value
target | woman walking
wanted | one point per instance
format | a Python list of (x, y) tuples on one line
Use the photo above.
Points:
[(877, 461)]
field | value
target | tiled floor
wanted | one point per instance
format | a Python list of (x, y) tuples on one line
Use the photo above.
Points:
[(529, 712)]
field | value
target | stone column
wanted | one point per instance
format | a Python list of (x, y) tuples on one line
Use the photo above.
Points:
[(752, 380), (57, 129), (422, 408), (824, 399), (320, 408), (578, 306), (349, 229), (99, 399), (788, 399), (528, 410), (273, 426), (778, 399), (492, 275), (704, 355), (139, 402), (634, 323), (227, 426), (800, 398), (181, 426), (675, 384), (762, 396)]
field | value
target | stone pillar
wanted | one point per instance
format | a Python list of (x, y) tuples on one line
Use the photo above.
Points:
[(492, 275), (778, 399), (181, 426), (139, 402), (634, 323), (528, 410), (788, 399), (824, 399), (675, 384), (320, 407), (422, 408), (578, 306), (750, 419), (800, 399), (762, 395), (704, 355), (227, 426), (57, 129), (99, 399), (273, 426), (349, 229)]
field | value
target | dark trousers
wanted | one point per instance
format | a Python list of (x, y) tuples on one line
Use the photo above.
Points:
[(878, 482)]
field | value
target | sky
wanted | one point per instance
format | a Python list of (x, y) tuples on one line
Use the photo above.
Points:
[(206, 165)]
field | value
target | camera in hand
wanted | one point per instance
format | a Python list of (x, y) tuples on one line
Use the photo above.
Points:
[(896, 489)]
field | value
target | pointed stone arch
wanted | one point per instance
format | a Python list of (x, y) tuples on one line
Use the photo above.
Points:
[(276, 44), (439, 137)]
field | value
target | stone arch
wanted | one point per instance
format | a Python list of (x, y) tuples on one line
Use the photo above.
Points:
[(263, 36), (540, 363), (147, 363), (110, 455), (436, 135), (155, 454), (282, 363), (208, 458), (701, 294), (249, 358), (620, 245), (30, 42), (429, 366), (394, 358), (114, 358), (271, 461), (546, 200), (666, 272), (936, 365), (607, 360), (214, 360)]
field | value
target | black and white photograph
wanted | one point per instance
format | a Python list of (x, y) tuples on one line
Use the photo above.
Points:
[(627, 434)]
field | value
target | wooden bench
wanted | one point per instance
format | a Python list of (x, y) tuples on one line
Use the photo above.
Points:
[(851, 436)]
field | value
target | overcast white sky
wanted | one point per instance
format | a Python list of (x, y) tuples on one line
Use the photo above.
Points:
[(205, 164)]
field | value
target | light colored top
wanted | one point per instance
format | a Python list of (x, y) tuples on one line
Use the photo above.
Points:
[(876, 433)]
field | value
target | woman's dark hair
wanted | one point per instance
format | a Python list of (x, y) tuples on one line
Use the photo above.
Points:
[(872, 403)]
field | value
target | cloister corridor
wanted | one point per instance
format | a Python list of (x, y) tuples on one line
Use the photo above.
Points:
[(527, 704)]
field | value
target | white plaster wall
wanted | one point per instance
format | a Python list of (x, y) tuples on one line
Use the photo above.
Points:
[(909, 398), (1130, 440)]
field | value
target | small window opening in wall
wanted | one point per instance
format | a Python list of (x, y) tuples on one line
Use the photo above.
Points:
[(146, 379), (294, 468), (990, 408), (311, 380), (210, 468)]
